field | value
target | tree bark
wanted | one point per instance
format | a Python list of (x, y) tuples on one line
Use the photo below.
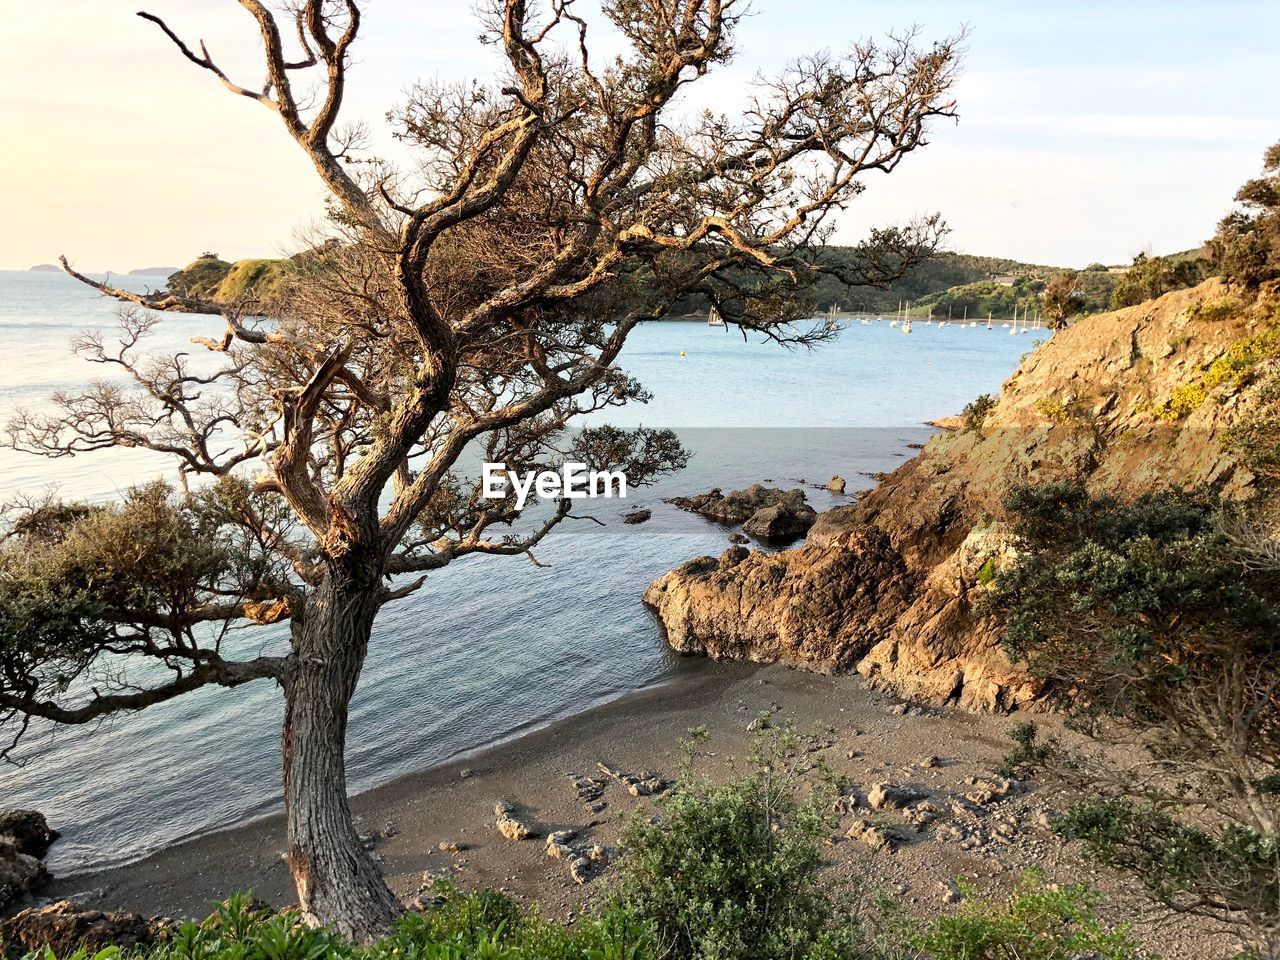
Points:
[(338, 883)]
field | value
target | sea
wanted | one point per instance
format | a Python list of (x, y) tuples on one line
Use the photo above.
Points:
[(491, 646)]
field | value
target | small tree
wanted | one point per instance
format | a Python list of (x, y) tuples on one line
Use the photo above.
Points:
[(479, 303), (1062, 298), (1246, 247), (1151, 277)]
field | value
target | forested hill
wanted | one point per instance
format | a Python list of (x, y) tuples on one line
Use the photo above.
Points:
[(930, 279), (211, 277)]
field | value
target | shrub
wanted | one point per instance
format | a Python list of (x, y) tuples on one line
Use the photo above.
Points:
[(1051, 408), (1186, 399), (1235, 866), (1037, 922), (1246, 248), (975, 412), (730, 871), (1155, 622), (1031, 753), (485, 925), (1151, 277)]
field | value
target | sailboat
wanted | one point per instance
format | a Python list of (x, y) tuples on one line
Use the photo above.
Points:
[(714, 319)]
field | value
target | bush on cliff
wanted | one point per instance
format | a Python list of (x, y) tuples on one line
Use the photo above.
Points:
[(1157, 624), (1246, 247)]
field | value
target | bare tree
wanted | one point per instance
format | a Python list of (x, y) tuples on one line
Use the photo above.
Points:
[(481, 298)]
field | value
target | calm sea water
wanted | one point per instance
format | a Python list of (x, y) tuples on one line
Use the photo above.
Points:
[(490, 646)]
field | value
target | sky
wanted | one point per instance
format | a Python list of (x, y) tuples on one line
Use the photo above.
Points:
[(1088, 131)]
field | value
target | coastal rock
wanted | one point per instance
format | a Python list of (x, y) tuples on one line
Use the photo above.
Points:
[(64, 927), (893, 584), (985, 791), (783, 521), (812, 607), (836, 484), (19, 873), (559, 851), (873, 835), (25, 838), (637, 516), (765, 512), (29, 831)]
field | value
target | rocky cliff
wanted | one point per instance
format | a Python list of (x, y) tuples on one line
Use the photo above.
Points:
[(1125, 402)]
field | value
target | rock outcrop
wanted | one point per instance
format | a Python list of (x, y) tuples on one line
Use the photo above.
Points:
[(890, 584), (25, 838), (64, 927), (814, 607), (765, 512)]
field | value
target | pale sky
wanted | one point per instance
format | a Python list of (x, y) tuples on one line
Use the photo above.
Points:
[(1089, 130)]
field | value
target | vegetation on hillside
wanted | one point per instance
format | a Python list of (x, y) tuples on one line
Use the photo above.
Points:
[(211, 278), (1157, 624), (1246, 248)]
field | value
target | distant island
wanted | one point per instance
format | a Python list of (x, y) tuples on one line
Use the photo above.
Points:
[(154, 271), (45, 268)]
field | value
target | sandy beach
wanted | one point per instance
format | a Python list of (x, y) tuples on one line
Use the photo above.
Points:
[(869, 742)]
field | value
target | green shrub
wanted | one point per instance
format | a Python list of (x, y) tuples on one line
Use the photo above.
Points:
[(975, 413), (729, 871), (1234, 866), (1031, 754), (1051, 408), (1163, 613), (1038, 922)]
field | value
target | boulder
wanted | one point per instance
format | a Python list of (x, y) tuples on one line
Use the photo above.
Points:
[(836, 484), (891, 796), (637, 516), (64, 927), (29, 830), (783, 521), (875, 836), (513, 829), (19, 873)]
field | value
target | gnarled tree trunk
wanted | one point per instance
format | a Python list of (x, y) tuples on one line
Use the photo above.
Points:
[(338, 883)]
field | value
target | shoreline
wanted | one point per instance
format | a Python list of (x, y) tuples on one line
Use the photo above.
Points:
[(222, 853), (868, 737)]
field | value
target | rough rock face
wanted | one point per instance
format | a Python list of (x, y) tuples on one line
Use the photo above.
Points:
[(25, 838), (64, 927), (764, 512), (890, 584), (29, 831), (813, 607)]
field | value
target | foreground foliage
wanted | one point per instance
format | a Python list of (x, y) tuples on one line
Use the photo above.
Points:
[(731, 870), (1038, 922)]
